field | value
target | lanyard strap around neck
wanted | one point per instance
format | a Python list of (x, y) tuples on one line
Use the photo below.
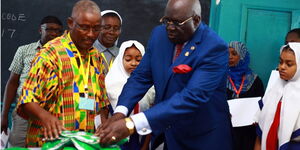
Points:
[(108, 64), (84, 72), (234, 87)]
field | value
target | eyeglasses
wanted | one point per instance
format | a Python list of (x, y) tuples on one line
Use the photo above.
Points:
[(87, 28), (53, 30), (166, 21), (111, 28)]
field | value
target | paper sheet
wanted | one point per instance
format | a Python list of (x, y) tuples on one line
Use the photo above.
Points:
[(243, 110), (4, 139), (97, 121)]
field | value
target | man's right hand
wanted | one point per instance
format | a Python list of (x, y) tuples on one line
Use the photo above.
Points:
[(52, 127), (115, 117), (4, 124)]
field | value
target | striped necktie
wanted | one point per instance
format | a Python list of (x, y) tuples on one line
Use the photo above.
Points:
[(178, 50)]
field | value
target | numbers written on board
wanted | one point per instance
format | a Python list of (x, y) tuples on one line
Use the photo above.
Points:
[(8, 28), (12, 17), (8, 32)]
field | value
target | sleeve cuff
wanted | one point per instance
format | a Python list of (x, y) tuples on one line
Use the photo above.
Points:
[(121, 109), (141, 124)]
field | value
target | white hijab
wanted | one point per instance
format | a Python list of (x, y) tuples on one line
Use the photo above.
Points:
[(290, 106), (117, 75)]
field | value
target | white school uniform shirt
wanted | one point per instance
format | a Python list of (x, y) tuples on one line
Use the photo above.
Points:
[(289, 92)]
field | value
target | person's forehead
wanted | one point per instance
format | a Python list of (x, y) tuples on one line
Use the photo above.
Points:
[(293, 35), (177, 15), (51, 25), (178, 12), (231, 49), (111, 18), (88, 17), (287, 54)]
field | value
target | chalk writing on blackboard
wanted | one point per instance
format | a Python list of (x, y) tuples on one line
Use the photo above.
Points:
[(8, 32), (13, 17)]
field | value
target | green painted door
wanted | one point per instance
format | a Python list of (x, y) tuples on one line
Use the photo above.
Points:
[(261, 24)]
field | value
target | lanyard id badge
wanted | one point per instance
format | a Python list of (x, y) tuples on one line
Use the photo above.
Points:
[(85, 102)]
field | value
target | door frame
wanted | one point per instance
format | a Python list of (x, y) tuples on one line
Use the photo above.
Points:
[(295, 20)]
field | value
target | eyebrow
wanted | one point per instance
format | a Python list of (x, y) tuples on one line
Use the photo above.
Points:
[(287, 60)]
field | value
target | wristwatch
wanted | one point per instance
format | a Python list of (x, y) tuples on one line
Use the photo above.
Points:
[(129, 125)]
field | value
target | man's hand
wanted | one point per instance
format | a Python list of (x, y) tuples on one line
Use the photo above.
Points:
[(4, 124), (112, 123), (115, 117), (113, 133), (52, 127), (104, 114)]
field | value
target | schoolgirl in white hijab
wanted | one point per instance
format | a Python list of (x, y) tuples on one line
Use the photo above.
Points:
[(288, 91), (117, 77)]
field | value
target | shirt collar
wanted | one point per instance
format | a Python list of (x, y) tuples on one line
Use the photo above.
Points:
[(102, 48), (38, 45), (92, 51)]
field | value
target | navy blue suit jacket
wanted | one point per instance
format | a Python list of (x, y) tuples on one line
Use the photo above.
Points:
[(190, 108)]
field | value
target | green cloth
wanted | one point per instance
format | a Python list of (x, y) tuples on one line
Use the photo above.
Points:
[(70, 140), (16, 148)]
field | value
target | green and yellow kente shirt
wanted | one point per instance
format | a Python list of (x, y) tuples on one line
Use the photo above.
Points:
[(56, 83)]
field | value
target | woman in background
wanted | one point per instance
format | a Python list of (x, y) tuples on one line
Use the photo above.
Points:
[(242, 82)]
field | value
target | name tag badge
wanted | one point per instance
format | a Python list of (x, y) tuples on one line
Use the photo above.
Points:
[(86, 103)]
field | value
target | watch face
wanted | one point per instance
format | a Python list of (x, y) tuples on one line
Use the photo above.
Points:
[(130, 125)]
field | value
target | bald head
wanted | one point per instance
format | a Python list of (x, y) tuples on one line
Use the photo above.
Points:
[(189, 7), (85, 6), (183, 18), (84, 24)]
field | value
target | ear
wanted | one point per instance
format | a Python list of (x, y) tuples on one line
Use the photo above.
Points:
[(197, 20), (70, 22), (40, 30)]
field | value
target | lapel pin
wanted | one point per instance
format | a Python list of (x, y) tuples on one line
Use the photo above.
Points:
[(193, 48), (186, 54)]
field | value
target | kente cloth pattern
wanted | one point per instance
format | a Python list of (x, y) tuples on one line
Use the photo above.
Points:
[(55, 83)]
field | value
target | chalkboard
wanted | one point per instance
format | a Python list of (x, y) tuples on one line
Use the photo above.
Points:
[(20, 21)]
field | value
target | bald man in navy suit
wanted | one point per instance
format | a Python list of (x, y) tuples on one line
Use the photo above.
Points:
[(190, 104)]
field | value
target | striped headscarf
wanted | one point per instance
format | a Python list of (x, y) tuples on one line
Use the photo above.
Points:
[(237, 72)]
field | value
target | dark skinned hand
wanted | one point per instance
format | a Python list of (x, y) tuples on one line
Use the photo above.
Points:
[(115, 129), (115, 117), (106, 128), (52, 127)]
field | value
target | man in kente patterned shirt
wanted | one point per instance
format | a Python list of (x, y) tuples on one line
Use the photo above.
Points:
[(65, 86)]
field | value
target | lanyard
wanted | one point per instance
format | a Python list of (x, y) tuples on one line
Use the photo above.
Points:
[(234, 87), (111, 61), (82, 71), (85, 73)]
